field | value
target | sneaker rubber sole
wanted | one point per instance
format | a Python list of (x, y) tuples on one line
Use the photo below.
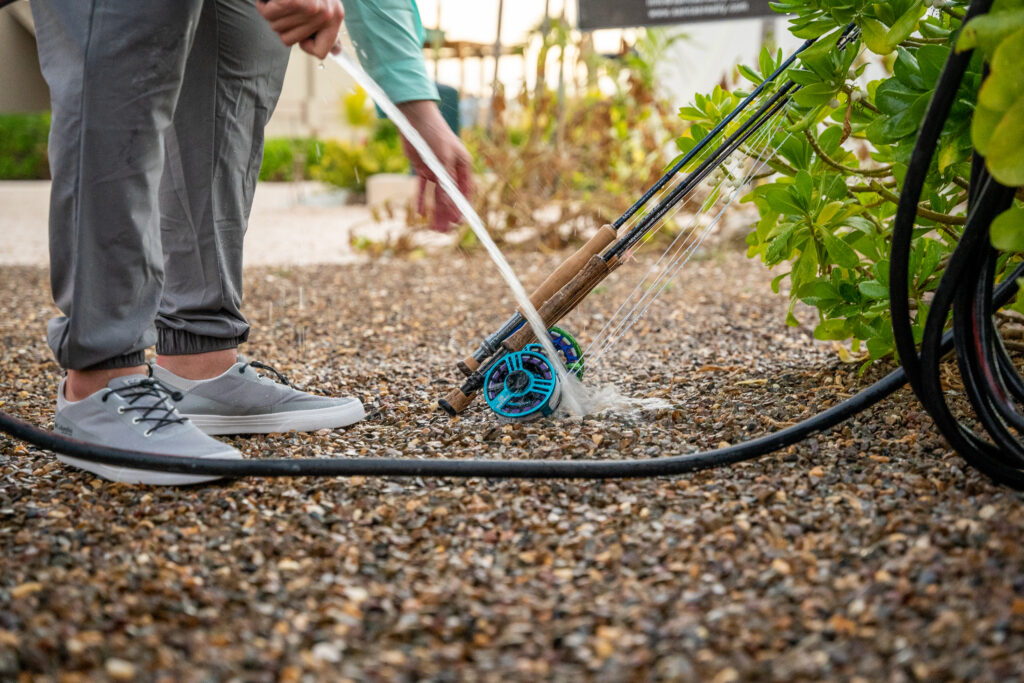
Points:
[(288, 421), (130, 475)]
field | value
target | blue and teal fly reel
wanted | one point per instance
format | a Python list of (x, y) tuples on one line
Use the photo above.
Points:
[(568, 348), (523, 385)]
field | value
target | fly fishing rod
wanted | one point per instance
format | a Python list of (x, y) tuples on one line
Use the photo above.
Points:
[(607, 234), (518, 381), (968, 289)]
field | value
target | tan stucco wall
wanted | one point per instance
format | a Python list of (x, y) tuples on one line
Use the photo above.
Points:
[(311, 100), (22, 88), (310, 103)]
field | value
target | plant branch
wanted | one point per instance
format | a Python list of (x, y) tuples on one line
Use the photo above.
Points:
[(953, 13), (884, 172), (919, 42), (922, 211)]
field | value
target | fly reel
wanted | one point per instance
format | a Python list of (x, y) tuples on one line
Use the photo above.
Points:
[(523, 385), (568, 348)]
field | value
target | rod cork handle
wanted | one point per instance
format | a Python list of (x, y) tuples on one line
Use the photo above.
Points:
[(572, 265), (455, 402), (468, 365), (562, 301)]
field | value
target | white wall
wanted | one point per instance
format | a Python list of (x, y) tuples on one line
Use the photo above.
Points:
[(711, 50)]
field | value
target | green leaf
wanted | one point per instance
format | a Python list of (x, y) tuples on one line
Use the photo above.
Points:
[(779, 247), (983, 127), (879, 348), (839, 251), (876, 36), (776, 281), (881, 39), (906, 24), (818, 293), (749, 74), (1008, 230), (782, 200), (815, 94), (829, 211), (834, 329), (1001, 101), (989, 30), (804, 187), (874, 289)]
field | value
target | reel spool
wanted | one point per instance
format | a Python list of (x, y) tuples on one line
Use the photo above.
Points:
[(569, 349), (522, 386)]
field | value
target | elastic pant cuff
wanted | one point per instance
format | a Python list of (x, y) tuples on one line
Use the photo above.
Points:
[(128, 360), (181, 342)]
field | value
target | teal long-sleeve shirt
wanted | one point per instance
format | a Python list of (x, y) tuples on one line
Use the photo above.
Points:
[(388, 38)]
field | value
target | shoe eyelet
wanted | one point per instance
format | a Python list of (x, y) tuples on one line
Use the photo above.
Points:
[(147, 433), (120, 410), (136, 420)]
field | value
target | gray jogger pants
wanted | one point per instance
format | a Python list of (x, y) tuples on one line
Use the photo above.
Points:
[(155, 147)]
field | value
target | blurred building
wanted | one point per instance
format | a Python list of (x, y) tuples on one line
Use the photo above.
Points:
[(310, 101), (22, 88)]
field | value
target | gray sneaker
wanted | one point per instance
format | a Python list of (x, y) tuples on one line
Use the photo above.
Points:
[(135, 412), (242, 401)]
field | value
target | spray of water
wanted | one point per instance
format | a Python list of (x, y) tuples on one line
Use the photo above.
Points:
[(573, 396), (600, 398)]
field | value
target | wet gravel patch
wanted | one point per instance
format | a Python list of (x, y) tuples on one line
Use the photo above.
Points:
[(867, 553)]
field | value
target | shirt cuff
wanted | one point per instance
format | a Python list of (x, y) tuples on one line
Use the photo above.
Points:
[(405, 80)]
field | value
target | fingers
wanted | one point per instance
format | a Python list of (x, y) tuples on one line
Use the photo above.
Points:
[(464, 174), (421, 201), (327, 36), (320, 43), (446, 212), (312, 24), (299, 34)]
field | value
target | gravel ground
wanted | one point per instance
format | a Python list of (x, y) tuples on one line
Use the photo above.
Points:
[(868, 553)]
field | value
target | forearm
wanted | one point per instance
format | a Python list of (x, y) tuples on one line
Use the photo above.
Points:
[(388, 41)]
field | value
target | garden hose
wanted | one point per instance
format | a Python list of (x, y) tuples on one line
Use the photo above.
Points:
[(967, 288)]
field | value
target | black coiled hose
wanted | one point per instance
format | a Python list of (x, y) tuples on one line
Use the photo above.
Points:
[(967, 288), (991, 380)]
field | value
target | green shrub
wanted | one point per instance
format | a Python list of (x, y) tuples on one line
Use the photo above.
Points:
[(560, 166), (348, 165), (23, 146), (840, 162), (287, 159)]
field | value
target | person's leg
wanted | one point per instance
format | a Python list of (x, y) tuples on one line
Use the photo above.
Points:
[(114, 70), (232, 82)]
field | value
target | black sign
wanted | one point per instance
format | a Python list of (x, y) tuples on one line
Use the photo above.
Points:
[(623, 13)]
